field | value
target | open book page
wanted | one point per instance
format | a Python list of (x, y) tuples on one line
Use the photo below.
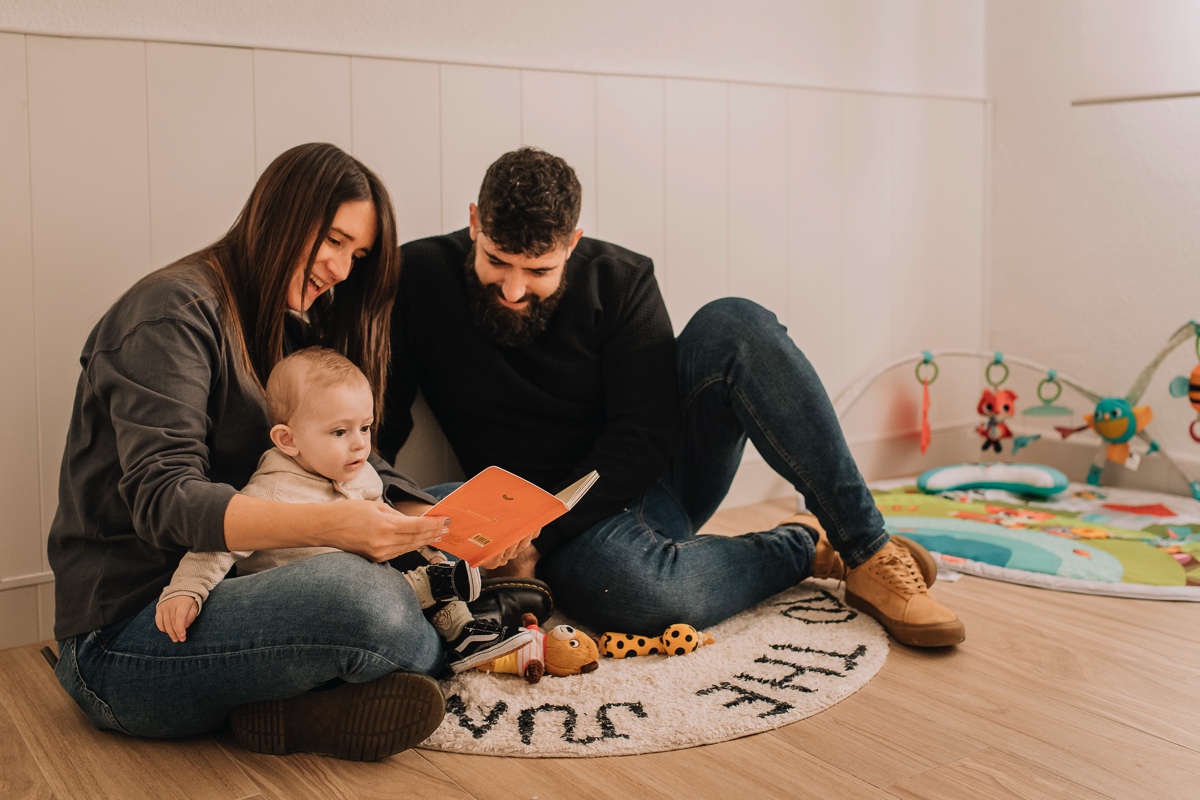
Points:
[(496, 509), (572, 494)]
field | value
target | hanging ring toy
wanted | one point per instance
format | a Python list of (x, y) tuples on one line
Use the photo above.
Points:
[(998, 361), (1051, 379), (927, 360), (926, 432)]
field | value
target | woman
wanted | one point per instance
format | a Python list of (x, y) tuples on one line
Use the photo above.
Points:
[(169, 421)]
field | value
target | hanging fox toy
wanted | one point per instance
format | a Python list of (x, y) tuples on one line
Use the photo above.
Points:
[(996, 406)]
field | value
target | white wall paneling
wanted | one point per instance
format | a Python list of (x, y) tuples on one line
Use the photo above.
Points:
[(910, 46), (46, 610), (558, 114), (857, 218), (200, 102), (19, 616), (90, 210), (938, 224), (937, 234), (867, 269), (630, 167), (21, 551), (697, 183), (299, 98), (397, 133), (814, 230), (758, 240), (481, 120)]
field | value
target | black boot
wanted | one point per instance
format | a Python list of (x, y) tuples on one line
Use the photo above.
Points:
[(505, 600)]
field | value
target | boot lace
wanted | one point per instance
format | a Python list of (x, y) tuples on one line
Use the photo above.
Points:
[(900, 571)]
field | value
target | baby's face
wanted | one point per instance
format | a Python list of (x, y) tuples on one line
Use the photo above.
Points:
[(333, 431)]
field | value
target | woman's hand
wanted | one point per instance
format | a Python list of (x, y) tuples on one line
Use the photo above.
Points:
[(378, 532), (368, 528)]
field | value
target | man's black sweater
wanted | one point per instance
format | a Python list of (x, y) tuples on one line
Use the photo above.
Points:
[(598, 389)]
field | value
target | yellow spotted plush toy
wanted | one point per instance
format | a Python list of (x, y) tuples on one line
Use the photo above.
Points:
[(675, 641), (560, 651)]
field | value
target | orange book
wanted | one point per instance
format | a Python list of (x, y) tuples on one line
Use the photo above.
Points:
[(496, 509)]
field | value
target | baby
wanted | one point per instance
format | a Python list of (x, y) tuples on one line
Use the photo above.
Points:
[(323, 411)]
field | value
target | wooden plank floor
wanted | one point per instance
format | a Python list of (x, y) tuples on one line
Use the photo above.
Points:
[(1053, 695)]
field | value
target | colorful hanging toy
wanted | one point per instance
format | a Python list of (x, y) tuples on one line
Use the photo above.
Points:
[(1117, 420), (1046, 409), (926, 433), (997, 405), (1190, 386)]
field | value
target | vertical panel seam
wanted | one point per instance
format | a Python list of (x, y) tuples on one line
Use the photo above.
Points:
[(350, 95), (254, 102), (787, 208), (37, 380), (728, 185), (663, 151), (149, 147), (441, 147), (595, 151)]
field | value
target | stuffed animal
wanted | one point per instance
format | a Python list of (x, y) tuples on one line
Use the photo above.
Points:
[(675, 641), (561, 651), (997, 407)]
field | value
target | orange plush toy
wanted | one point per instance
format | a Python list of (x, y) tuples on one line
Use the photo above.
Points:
[(675, 641), (561, 651)]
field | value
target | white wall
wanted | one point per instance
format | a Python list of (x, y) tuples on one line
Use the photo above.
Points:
[(1095, 242), (1138, 48), (929, 47), (856, 215)]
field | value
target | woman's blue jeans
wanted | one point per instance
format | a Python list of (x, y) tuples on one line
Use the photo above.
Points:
[(740, 376), (266, 636)]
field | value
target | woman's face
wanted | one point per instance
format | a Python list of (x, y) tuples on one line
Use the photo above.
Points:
[(351, 236)]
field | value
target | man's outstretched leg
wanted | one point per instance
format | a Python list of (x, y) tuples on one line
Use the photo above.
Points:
[(742, 376)]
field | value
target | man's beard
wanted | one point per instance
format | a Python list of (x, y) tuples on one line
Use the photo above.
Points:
[(505, 326)]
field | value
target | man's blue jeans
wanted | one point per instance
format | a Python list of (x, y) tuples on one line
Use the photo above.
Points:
[(740, 375), (266, 636)]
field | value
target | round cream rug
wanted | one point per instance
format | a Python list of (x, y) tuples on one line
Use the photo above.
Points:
[(785, 659)]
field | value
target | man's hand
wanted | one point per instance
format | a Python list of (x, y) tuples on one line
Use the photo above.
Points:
[(518, 561), (175, 614)]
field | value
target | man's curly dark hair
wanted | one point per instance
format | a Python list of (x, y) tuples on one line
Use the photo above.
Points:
[(529, 202)]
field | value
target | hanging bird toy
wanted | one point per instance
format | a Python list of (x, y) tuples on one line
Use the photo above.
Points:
[(1190, 387)]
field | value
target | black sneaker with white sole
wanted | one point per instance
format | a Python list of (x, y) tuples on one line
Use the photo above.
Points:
[(453, 580), (355, 721), (482, 640)]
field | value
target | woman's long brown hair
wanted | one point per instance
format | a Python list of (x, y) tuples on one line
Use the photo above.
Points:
[(282, 225)]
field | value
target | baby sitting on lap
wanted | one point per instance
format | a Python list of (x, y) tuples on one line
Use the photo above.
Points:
[(322, 407)]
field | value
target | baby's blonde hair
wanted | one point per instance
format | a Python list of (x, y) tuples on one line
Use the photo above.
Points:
[(300, 374)]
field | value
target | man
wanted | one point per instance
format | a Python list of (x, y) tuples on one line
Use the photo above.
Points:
[(552, 355)]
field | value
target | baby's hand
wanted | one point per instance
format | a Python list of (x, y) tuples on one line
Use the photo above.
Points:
[(175, 614)]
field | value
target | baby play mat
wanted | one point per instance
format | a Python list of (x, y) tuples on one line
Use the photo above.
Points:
[(1096, 540), (785, 659)]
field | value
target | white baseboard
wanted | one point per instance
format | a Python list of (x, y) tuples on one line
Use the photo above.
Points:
[(19, 581)]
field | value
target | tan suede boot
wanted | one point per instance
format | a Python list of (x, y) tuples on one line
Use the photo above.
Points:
[(827, 563), (890, 588)]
